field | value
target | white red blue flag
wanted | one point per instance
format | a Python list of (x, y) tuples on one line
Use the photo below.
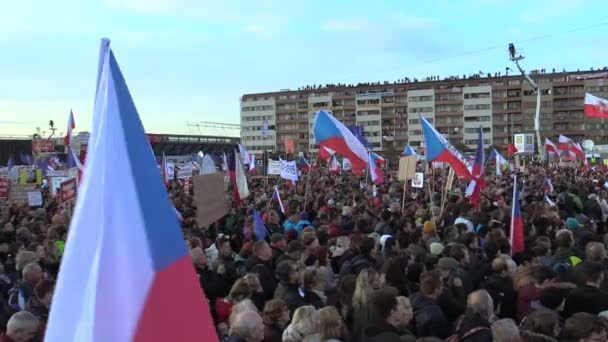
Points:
[(550, 147), (252, 164), (516, 236), (303, 163), (477, 174), (334, 166), (126, 274), (550, 202), (439, 149), (277, 197), (408, 151), (331, 133), (325, 153), (374, 171), (67, 141), (596, 107), (548, 185)]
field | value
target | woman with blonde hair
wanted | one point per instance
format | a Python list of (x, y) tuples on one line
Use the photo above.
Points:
[(332, 327), (367, 282), (304, 327)]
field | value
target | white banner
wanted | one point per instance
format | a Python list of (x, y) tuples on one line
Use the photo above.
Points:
[(274, 167), (185, 171), (289, 170), (208, 165), (57, 173), (170, 170), (346, 166)]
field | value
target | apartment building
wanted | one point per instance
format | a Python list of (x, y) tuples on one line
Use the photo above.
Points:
[(389, 112)]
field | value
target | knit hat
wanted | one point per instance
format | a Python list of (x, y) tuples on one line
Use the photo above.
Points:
[(429, 227), (573, 224), (436, 248), (447, 264)]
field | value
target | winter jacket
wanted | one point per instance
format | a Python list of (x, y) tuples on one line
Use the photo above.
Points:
[(503, 294), (586, 298), (473, 328), (429, 318), (380, 332), (265, 273), (290, 294)]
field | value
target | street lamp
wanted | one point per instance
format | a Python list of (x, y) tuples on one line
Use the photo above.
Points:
[(515, 58)]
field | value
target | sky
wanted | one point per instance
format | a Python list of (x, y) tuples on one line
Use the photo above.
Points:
[(191, 60)]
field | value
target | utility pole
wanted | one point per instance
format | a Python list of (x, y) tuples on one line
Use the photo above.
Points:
[(515, 58)]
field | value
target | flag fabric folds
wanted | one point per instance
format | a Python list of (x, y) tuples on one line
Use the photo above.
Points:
[(564, 143), (303, 163), (334, 166), (550, 202), (548, 186), (516, 236), (439, 149), (378, 158), (374, 171), (245, 157), (477, 181), (511, 150), (277, 197), (126, 274), (331, 133), (259, 228), (551, 147), (596, 107), (408, 151), (252, 164), (67, 141), (240, 180), (325, 153)]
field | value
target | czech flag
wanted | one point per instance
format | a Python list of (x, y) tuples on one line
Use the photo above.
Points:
[(303, 163), (549, 201), (252, 165), (596, 107), (516, 236), (331, 133), (548, 186), (277, 197), (374, 171), (126, 274), (71, 125), (439, 149), (259, 228), (408, 151), (477, 181), (378, 158), (550, 147), (578, 150), (241, 188), (565, 144), (334, 166), (325, 153), (511, 150)]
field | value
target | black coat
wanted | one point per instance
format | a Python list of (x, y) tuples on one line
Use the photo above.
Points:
[(473, 328), (586, 298), (429, 318), (380, 332), (272, 333), (503, 294), (290, 294), (265, 273)]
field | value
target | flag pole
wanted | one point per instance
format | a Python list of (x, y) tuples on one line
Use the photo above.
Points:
[(403, 198)]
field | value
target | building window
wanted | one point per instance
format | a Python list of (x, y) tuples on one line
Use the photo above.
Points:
[(477, 95), (477, 107), (420, 109), (420, 98)]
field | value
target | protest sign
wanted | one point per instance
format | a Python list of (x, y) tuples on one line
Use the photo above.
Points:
[(407, 168), (289, 170), (346, 165), (208, 165), (68, 190), (56, 184), (18, 193), (209, 197), (184, 171), (274, 167), (418, 180), (34, 198)]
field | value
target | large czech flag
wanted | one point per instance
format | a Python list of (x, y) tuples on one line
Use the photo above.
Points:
[(439, 149), (477, 180), (126, 274), (331, 133)]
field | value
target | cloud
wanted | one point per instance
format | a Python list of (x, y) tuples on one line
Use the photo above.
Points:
[(392, 22), (259, 31)]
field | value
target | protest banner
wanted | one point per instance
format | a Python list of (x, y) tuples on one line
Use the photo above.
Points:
[(274, 167), (56, 183), (17, 193), (184, 171), (289, 170), (346, 165), (209, 197), (43, 146), (289, 146)]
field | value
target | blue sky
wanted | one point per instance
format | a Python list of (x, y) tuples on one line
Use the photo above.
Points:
[(190, 60)]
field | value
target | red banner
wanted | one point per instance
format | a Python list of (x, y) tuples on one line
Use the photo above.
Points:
[(290, 146), (43, 146), (3, 187), (68, 190)]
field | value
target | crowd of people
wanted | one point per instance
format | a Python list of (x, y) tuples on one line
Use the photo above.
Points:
[(346, 261)]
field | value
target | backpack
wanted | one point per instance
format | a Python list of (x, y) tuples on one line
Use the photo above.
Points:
[(456, 336), (16, 299)]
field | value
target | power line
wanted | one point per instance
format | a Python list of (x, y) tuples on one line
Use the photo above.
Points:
[(551, 35)]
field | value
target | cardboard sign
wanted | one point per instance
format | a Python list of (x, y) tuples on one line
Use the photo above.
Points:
[(3, 187), (418, 180), (18, 193), (185, 171), (289, 170), (43, 146), (68, 190), (209, 196), (274, 167), (34, 198), (57, 173), (407, 168)]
